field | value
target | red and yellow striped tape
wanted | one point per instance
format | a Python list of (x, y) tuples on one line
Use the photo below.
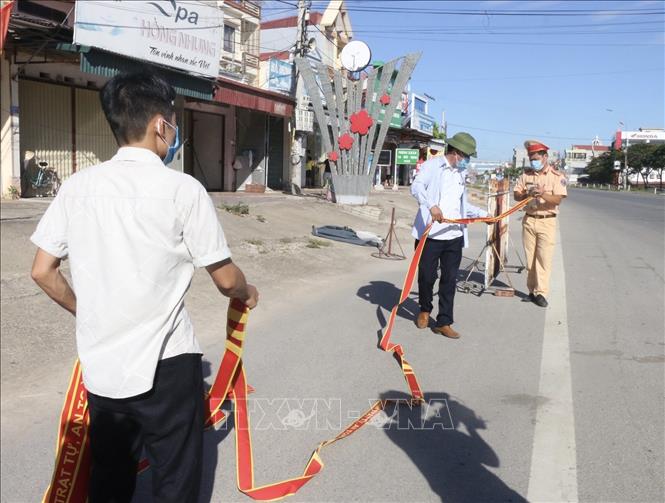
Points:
[(69, 483)]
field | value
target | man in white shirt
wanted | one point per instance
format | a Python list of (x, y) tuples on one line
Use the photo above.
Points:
[(440, 190), (134, 232)]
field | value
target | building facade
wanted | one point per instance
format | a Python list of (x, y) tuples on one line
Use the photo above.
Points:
[(327, 34), (57, 56), (578, 157)]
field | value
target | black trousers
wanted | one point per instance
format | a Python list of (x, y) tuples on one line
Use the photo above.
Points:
[(167, 421), (448, 254)]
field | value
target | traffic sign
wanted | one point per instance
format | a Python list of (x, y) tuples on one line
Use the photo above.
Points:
[(406, 155)]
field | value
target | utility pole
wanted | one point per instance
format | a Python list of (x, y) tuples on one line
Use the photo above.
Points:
[(625, 166), (298, 147)]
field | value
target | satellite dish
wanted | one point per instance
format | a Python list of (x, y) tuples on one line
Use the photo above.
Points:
[(355, 56)]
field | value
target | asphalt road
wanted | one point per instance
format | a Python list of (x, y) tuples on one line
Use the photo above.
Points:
[(491, 430), (613, 248)]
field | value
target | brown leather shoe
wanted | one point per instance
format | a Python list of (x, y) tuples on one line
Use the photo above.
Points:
[(423, 320), (447, 331)]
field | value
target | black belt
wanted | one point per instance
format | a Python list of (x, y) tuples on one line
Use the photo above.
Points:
[(540, 216)]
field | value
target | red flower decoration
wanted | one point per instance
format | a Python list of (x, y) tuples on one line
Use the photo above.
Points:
[(361, 122), (385, 99), (345, 141), (332, 156)]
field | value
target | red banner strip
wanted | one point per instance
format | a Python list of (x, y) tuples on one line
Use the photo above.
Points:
[(72, 466)]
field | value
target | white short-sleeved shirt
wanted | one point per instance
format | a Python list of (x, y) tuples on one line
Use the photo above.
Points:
[(134, 231)]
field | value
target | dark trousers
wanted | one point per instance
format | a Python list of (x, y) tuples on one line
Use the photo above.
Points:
[(167, 421), (448, 254)]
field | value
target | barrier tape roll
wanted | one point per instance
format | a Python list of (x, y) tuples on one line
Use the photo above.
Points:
[(71, 473)]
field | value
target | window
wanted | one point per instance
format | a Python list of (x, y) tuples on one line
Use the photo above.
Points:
[(576, 155), (229, 38), (420, 105)]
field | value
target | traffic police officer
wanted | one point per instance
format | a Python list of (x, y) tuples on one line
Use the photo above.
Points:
[(548, 188)]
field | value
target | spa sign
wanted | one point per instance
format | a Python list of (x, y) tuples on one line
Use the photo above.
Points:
[(182, 34)]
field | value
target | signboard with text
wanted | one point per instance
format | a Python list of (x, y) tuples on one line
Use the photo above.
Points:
[(645, 135), (406, 156), (422, 122), (279, 75), (177, 33)]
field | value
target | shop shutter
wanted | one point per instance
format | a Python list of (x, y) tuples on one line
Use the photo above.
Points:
[(95, 142), (45, 121)]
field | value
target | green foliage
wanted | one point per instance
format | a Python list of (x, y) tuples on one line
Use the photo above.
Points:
[(600, 168), (641, 159), (13, 192), (641, 156), (317, 243), (513, 172), (239, 209), (658, 158), (438, 133)]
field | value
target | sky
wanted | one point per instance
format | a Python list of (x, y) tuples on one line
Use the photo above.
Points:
[(506, 71)]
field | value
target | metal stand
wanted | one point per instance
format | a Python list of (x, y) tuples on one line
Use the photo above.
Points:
[(388, 254), (467, 286)]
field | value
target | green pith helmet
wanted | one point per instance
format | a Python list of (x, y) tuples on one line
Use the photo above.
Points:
[(465, 143)]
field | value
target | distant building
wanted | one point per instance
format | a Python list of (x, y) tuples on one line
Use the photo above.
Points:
[(577, 158), (521, 158), (642, 135)]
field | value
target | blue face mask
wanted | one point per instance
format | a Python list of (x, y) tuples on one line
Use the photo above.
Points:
[(462, 164), (536, 164), (170, 154)]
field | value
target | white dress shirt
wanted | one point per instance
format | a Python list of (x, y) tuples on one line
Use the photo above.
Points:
[(439, 184), (134, 231)]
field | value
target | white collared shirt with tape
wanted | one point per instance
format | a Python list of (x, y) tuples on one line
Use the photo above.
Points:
[(439, 184), (134, 232)]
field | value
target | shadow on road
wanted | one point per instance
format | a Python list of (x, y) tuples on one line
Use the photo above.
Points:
[(442, 439), (385, 295)]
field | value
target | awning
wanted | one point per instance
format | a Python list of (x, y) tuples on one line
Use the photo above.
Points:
[(106, 64), (235, 93)]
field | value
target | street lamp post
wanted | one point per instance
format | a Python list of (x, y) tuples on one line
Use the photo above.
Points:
[(625, 166), (625, 152)]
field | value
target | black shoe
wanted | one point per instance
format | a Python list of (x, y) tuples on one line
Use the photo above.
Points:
[(532, 297), (540, 301)]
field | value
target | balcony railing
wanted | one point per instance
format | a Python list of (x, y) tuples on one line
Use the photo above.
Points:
[(250, 60), (246, 6)]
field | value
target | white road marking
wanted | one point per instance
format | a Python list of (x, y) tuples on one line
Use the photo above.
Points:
[(554, 460)]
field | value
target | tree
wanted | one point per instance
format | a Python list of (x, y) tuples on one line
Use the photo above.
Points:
[(640, 159), (600, 168), (658, 162), (513, 172), (438, 133)]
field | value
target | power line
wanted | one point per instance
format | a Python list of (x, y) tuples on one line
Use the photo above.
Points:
[(525, 27), (515, 12), (515, 133), (325, 35), (490, 31), (529, 43), (544, 76), (295, 6)]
